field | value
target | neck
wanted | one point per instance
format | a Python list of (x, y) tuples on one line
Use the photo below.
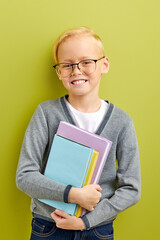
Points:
[(85, 104)]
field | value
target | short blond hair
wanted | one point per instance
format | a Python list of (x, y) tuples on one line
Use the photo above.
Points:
[(73, 32)]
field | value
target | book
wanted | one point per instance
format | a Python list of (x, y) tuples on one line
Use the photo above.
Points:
[(98, 143), (88, 177), (68, 163)]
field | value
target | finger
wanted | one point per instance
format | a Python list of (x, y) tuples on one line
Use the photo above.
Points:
[(55, 217), (61, 213), (92, 209), (100, 195), (98, 188)]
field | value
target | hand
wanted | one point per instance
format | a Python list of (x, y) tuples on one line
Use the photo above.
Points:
[(65, 221), (87, 196)]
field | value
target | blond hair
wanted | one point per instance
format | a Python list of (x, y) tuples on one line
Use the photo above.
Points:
[(73, 32)]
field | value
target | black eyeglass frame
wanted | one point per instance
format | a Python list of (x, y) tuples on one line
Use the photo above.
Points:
[(73, 64)]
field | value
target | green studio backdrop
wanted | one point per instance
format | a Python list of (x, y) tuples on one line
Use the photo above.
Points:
[(131, 36)]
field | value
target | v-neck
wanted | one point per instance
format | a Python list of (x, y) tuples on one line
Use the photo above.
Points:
[(103, 122)]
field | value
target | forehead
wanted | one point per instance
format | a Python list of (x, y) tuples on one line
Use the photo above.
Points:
[(78, 47)]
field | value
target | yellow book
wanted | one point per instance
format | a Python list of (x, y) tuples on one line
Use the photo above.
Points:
[(88, 177)]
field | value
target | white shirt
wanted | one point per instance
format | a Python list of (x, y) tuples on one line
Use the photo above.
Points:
[(88, 121)]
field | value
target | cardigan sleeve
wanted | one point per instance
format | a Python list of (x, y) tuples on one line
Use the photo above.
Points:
[(28, 177), (128, 189)]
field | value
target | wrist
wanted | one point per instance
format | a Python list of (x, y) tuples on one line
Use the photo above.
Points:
[(81, 224), (73, 195)]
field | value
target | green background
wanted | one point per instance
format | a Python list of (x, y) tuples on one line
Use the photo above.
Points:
[(130, 32)]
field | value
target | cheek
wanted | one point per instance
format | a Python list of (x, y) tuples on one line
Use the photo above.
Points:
[(65, 82), (96, 77)]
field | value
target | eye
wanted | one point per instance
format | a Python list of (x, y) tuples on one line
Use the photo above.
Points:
[(66, 65), (87, 62)]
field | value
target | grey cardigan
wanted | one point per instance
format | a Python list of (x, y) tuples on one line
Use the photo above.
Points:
[(120, 185)]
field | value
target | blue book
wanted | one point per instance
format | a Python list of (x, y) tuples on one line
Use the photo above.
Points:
[(68, 163)]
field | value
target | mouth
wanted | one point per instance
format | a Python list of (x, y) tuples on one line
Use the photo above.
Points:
[(78, 82)]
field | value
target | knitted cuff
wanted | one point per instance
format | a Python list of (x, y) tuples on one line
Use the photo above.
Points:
[(86, 222), (66, 193)]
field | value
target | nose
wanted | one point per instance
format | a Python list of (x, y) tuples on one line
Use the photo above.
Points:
[(75, 69)]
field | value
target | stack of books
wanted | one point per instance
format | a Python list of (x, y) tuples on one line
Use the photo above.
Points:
[(76, 158)]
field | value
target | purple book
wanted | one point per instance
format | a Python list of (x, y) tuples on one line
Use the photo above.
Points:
[(98, 143)]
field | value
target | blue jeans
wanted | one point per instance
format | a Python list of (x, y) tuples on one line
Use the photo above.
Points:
[(42, 229)]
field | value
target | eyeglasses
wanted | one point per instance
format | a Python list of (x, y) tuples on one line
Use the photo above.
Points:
[(86, 66)]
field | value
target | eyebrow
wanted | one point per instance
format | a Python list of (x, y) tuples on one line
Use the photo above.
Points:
[(80, 59)]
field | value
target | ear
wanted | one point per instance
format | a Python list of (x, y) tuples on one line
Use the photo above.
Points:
[(105, 67), (59, 76)]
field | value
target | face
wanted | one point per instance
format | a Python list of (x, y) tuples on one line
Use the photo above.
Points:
[(75, 49)]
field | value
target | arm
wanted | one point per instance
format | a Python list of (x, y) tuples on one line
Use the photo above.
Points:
[(29, 178), (128, 173)]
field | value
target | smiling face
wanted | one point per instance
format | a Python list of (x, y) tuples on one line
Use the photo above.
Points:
[(75, 49)]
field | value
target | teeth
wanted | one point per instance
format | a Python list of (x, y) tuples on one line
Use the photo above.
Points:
[(78, 82)]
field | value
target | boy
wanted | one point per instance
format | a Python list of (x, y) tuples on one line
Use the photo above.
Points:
[(80, 62)]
